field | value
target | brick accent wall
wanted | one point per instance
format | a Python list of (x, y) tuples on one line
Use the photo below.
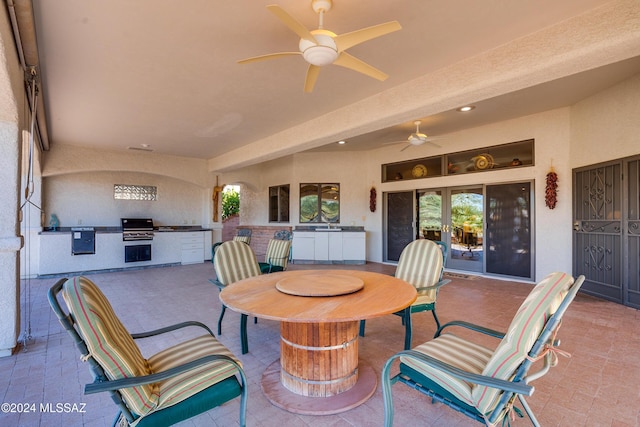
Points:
[(260, 234), (229, 226)]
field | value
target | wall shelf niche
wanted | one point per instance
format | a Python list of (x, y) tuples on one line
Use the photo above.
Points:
[(511, 155)]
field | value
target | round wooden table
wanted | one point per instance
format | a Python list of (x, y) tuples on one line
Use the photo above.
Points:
[(318, 372)]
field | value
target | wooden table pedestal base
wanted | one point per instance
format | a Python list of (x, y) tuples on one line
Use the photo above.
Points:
[(281, 397)]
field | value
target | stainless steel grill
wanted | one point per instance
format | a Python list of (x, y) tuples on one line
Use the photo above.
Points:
[(137, 229)]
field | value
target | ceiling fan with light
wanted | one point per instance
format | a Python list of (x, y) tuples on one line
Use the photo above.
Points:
[(322, 47), (416, 138)]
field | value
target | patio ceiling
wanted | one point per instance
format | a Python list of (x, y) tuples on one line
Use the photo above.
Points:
[(163, 75)]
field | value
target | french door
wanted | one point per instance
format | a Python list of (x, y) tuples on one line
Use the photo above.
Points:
[(488, 229), (454, 216)]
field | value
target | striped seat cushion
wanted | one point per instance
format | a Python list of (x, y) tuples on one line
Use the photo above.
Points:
[(457, 352), (526, 326), (420, 264), (278, 253), (109, 342), (235, 261), (175, 390)]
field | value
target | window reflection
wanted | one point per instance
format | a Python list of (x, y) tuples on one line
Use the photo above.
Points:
[(330, 203), (319, 203)]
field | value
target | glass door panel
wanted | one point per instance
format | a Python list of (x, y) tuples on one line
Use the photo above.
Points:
[(466, 229), (430, 214)]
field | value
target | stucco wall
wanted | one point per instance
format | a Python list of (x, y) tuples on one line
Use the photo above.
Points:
[(64, 159), (348, 169), (78, 187), (87, 199), (606, 126)]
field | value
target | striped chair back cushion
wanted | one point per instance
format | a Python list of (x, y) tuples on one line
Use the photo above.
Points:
[(278, 253), (109, 342), (524, 330), (243, 239), (235, 261), (420, 264)]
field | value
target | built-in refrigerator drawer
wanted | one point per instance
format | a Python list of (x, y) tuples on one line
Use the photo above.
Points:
[(83, 241)]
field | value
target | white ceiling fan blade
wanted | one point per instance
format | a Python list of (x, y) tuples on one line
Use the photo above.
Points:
[(353, 63), (430, 141), (394, 142), (291, 22), (347, 40), (408, 145), (267, 57), (312, 77)]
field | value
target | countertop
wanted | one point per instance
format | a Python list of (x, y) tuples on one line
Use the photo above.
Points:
[(323, 228), (107, 229)]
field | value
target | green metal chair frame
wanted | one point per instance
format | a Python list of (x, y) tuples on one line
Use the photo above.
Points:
[(214, 395), (421, 263), (505, 385), (214, 248), (234, 261)]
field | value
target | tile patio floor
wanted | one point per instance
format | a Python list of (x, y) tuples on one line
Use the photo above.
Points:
[(598, 386)]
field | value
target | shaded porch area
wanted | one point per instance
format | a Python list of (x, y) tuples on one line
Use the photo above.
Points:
[(598, 386)]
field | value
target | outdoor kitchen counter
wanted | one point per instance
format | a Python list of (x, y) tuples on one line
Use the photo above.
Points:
[(177, 245), (320, 244), (117, 229)]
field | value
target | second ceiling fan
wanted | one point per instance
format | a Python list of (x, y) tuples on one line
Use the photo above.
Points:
[(416, 138), (323, 47)]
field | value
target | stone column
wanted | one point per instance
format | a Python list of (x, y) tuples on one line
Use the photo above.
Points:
[(10, 243), (11, 108)]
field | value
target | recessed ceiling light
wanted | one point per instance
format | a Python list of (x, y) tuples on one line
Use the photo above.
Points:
[(466, 108), (342, 142)]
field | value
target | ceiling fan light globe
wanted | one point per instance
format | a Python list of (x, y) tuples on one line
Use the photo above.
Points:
[(320, 55), (417, 138), (324, 52)]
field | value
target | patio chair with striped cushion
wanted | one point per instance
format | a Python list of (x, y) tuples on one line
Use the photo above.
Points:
[(184, 380), (481, 382), (243, 235), (421, 264), (277, 256), (234, 261)]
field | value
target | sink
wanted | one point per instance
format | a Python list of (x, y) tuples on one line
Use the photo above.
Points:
[(328, 229)]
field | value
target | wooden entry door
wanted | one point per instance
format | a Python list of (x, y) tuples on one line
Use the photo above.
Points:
[(606, 230)]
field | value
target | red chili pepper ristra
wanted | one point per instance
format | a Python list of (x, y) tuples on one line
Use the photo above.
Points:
[(551, 194), (372, 199)]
